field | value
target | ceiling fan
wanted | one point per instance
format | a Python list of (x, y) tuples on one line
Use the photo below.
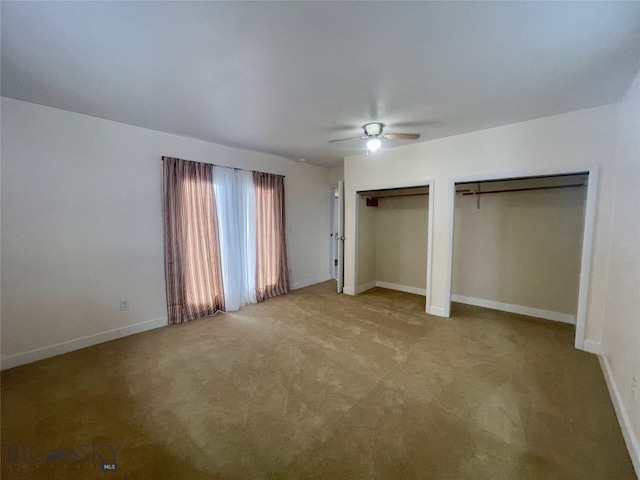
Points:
[(373, 134)]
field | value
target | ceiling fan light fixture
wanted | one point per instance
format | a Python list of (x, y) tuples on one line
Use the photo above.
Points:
[(374, 144), (373, 134)]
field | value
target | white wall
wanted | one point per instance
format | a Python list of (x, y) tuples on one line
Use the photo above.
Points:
[(335, 174), (565, 142), (307, 209), (520, 248), (366, 245), (401, 240), (82, 224), (621, 332)]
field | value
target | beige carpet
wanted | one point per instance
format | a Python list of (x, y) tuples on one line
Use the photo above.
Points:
[(319, 385)]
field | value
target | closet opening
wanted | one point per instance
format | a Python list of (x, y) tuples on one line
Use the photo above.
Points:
[(519, 245), (393, 239)]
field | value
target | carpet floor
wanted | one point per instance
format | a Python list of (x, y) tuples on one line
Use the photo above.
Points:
[(319, 385)]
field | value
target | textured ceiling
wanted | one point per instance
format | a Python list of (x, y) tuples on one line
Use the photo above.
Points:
[(286, 78)]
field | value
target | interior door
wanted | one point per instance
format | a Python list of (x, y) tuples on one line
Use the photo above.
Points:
[(340, 236)]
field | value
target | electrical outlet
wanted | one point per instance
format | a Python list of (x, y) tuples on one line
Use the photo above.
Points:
[(634, 387), (124, 305)]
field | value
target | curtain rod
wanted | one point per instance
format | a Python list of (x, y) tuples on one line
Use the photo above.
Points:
[(236, 169)]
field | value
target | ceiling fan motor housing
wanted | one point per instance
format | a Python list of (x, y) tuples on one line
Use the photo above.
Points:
[(373, 129)]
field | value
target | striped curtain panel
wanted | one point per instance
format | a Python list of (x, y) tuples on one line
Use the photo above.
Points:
[(272, 269), (192, 255)]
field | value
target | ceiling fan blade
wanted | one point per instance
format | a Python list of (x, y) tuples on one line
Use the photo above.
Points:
[(345, 139), (388, 136), (401, 136)]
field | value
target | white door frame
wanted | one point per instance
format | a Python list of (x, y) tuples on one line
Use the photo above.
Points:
[(340, 235), (333, 233), (587, 236), (429, 182)]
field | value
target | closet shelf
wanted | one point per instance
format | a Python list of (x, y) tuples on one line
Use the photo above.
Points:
[(524, 189), (499, 186)]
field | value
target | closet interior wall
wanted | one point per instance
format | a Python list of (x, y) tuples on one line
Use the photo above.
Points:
[(392, 242), (366, 245), (520, 251)]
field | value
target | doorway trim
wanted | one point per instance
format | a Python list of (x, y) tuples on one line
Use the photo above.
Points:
[(587, 235), (428, 182), (332, 231)]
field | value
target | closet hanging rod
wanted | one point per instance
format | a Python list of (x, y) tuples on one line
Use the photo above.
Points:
[(371, 194), (401, 195), (388, 194), (524, 189)]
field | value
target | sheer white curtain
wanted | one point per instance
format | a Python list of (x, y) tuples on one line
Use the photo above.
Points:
[(235, 206)]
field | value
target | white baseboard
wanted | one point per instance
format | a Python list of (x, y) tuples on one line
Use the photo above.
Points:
[(402, 288), (507, 307), (313, 281), (365, 287), (78, 343), (348, 291), (592, 347), (437, 311), (633, 444)]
